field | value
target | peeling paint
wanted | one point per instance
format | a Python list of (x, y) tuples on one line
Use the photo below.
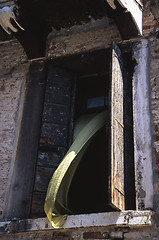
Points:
[(142, 126), (141, 193)]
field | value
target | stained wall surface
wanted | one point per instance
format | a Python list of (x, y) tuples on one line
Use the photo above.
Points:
[(13, 69), (12, 77)]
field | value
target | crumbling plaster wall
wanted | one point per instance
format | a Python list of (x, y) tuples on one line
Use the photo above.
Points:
[(13, 66), (151, 31), (13, 69)]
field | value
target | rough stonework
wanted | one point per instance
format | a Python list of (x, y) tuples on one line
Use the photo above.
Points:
[(14, 65), (12, 75), (151, 30)]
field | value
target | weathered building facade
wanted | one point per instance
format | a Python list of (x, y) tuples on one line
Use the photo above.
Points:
[(41, 74)]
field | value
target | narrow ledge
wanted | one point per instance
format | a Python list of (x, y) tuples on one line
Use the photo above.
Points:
[(122, 219)]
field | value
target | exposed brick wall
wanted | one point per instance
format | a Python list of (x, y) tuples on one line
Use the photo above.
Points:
[(88, 234), (155, 94), (29, 236), (12, 72)]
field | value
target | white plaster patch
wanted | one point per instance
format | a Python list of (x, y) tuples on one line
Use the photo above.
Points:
[(132, 7), (125, 218), (142, 127)]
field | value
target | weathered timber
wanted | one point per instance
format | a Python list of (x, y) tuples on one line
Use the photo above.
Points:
[(56, 132), (58, 76), (59, 95), (47, 159), (56, 113), (43, 176), (117, 195), (37, 205), (21, 186)]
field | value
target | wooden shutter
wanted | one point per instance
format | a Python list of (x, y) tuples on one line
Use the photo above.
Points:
[(56, 131), (117, 196)]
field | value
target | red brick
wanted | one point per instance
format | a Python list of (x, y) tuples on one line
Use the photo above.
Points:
[(62, 236), (156, 128), (148, 27), (95, 235), (157, 157)]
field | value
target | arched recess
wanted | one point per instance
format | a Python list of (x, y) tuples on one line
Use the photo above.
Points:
[(128, 16), (38, 17)]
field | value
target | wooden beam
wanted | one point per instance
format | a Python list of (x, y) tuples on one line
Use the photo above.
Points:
[(22, 179)]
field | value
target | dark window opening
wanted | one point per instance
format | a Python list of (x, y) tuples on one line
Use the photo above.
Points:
[(90, 186), (89, 189), (89, 192), (92, 94), (65, 103), (129, 172)]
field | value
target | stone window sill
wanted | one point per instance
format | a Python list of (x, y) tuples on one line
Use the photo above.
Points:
[(122, 219)]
